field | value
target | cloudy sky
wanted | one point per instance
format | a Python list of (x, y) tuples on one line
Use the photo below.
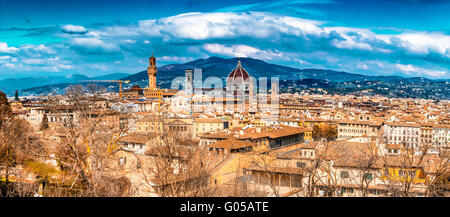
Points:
[(383, 37)]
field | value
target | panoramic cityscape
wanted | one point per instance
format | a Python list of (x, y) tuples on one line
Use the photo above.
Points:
[(224, 99)]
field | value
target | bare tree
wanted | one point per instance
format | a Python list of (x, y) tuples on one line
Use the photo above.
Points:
[(180, 166), (410, 164), (88, 137), (18, 144), (438, 174)]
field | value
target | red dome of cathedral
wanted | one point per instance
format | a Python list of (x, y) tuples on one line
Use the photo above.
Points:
[(238, 74)]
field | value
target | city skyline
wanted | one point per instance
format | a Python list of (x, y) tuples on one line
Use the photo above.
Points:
[(229, 99), (404, 38)]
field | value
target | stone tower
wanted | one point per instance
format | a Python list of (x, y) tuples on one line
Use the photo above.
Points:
[(189, 86), (252, 98), (152, 71), (274, 91)]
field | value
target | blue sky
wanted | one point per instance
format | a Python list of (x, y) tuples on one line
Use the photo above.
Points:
[(97, 37)]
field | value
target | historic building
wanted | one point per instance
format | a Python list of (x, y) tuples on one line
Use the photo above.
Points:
[(351, 129), (406, 134), (153, 91), (238, 82)]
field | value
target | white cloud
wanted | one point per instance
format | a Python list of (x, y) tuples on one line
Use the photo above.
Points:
[(235, 50), (94, 44), (242, 51), (37, 49), (63, 66), (409, 69), (350, 43), (199, 26), (10, 65), (43, 48), (176, 59), (281, 32), (33, 61), (129, 41), (406, 68), (74, 29), (267, 36), (5, 57), (5, 49), (424, 43), (362, 66), (434, 73)]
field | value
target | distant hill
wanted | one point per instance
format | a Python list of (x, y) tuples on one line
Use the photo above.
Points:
[(9, 86), (290, 78), (220, 67)]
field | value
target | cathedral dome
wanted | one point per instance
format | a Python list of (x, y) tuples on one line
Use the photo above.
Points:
[(238, 74)]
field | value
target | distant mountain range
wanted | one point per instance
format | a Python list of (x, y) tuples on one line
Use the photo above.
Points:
[(219, 67), (10, 85)]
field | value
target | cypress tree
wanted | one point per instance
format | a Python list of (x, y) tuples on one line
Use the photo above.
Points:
[(16, 96)]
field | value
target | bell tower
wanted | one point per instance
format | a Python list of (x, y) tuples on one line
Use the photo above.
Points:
[(152, 71)]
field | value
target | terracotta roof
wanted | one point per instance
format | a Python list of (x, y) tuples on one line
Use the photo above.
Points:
[(272, 169), (140, 138), (275, 133), (238, 74), (403, 124), (393, 146), (371, 123), (208, 120), (231, 144), (217, 136)]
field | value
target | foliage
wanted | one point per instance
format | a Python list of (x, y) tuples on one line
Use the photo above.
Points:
[(41, 169), (328, 132), (5, 108)]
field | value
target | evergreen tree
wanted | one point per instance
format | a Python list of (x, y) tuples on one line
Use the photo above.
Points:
[(16, 96)]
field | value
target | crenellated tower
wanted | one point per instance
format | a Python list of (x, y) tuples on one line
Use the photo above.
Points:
[(152, 71)]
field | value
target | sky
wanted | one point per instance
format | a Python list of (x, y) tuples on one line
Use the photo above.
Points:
[(98, 37)]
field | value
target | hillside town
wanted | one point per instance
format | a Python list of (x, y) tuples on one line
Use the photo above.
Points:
[(242, 139)]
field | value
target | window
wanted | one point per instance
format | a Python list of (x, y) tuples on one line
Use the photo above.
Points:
[(412, 173), (344, 174), (301, 164), (386, 172), (347, 190), (122, 161), (138, 165), (368, 176), (401, 173)]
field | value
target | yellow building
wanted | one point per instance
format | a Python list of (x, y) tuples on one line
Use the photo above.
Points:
[(183, 126), (204, 125), (397, 171)]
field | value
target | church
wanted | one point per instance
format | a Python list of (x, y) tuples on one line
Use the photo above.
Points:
[(239, 93), (239, 84)]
